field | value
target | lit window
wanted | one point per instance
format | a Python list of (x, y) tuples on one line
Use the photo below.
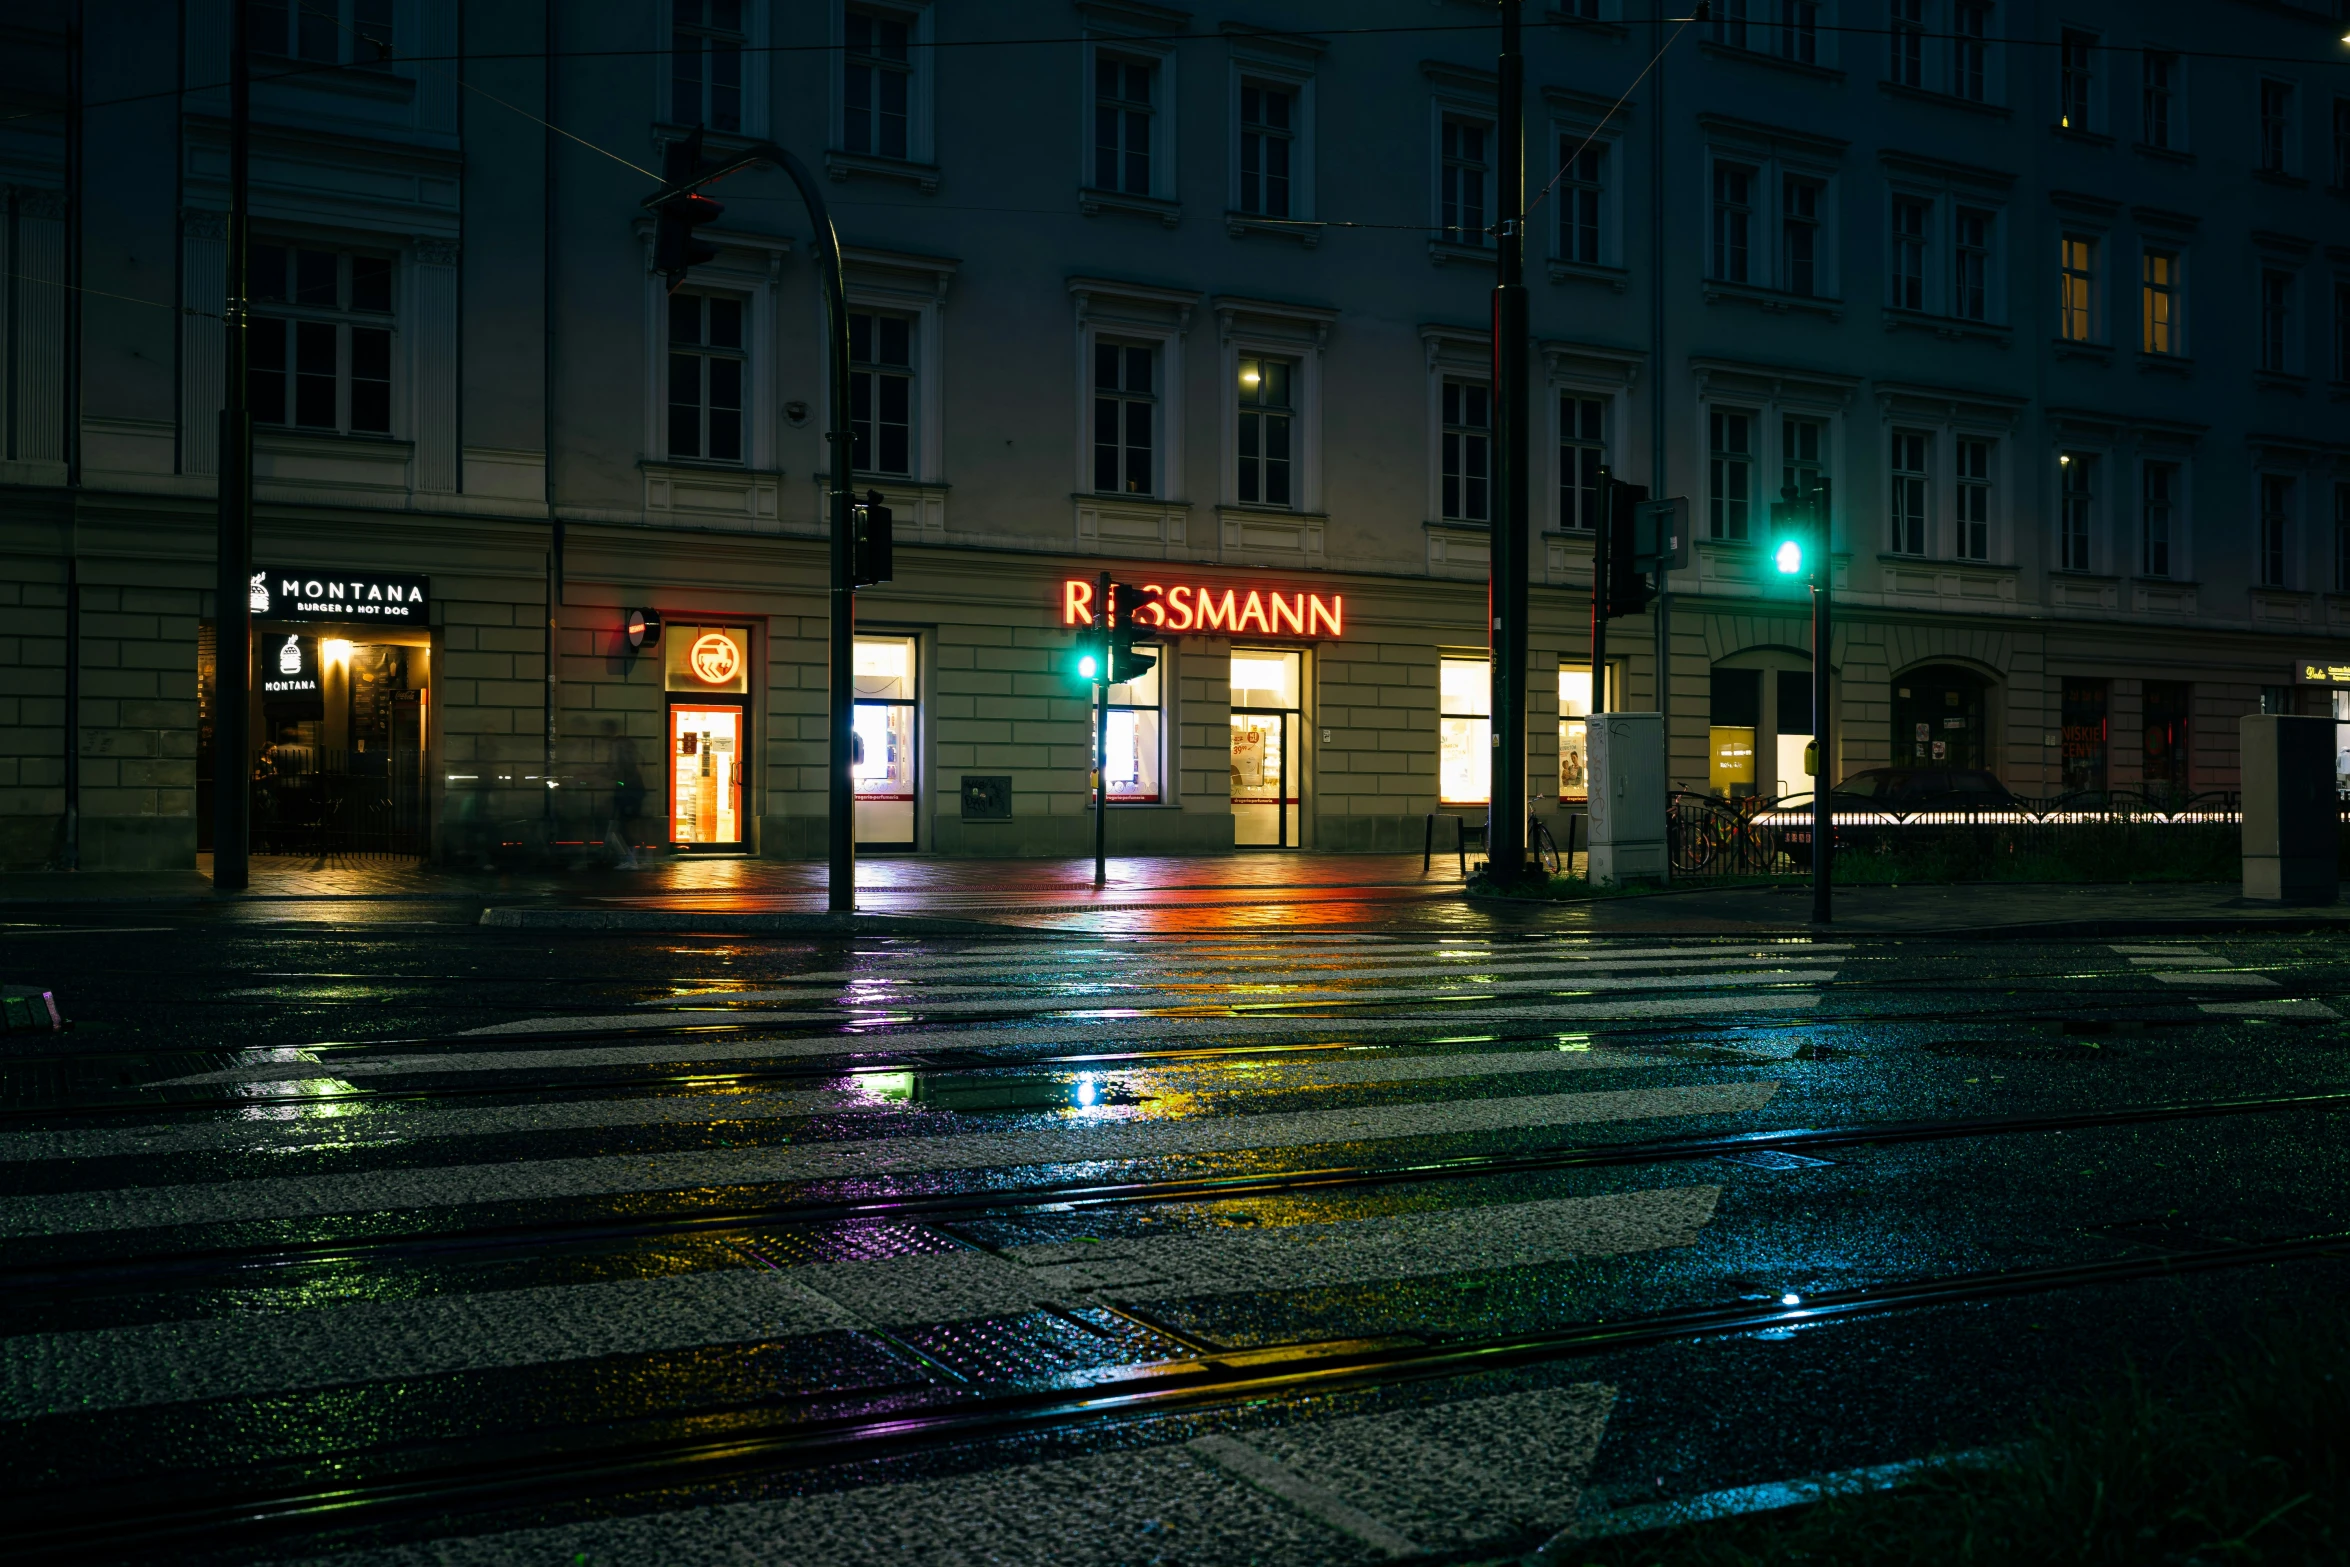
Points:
[(2077, 304), (2160, 317), (1464, 768), (1574, 734), (1134, 767)]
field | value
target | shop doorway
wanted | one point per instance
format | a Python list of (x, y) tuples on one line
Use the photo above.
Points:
[(1938, 718), (705, 775), (1267, 686), (885, 755)]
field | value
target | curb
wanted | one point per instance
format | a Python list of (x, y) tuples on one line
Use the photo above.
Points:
[(686, 921)]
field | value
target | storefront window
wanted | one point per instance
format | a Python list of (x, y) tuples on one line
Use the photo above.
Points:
[(1267, 689), (2341, 742), (2084, 734), (2166, 739), (1137, 736), (707, 670), (882, 758), (1464, 760), (1574, 734), (1735, 717)]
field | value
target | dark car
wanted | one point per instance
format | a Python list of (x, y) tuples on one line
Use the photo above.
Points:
[(1914, 788)]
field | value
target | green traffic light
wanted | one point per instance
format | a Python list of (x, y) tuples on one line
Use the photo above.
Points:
[(1088, 666), (1788, 557)]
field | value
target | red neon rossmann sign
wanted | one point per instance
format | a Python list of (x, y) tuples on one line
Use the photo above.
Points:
[(1186, 607)]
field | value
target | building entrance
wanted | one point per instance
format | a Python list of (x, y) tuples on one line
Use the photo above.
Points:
[(887, 724), (1266, 688), (708, 673), (1938, 718)]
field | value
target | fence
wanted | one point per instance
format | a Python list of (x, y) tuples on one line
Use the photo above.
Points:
[(2105, 837), (313, 802)]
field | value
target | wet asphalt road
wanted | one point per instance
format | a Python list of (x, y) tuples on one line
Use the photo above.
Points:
[(416, 1242)]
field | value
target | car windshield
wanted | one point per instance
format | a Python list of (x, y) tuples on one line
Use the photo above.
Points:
[(1862, 784)]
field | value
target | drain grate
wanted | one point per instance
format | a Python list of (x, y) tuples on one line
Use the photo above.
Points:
[(870, 1241), (1040, 1344)]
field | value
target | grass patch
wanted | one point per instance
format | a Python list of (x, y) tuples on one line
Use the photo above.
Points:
[(2243, 1464)]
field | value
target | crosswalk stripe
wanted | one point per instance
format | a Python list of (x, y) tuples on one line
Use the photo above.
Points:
[(439, 1186), (377, 1123), (2213, 977)]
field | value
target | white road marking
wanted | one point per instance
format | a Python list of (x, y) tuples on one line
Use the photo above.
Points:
[(2298, 1008), (2213, 977), (2182, 954), (1243, 1462), (1111, 1142)]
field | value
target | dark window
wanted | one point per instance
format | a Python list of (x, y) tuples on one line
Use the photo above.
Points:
[(1737, 699), (1908, 63), (2341, 330), (2276, 321), (1909, 254), (1125, 410), (2167, 704), (1970, 25), (2159, 76), (1579, 190), (1911, 483), (327, 32), (1799, 30), (2276, 529), (1799, 217), (881, 391), (2160, 502), (2342, 538), (1268, 121), (1582, 451), (1733, 221), (2077, 516), (1122, 124), (706, 44), (706, 377), (1970, 264), (2076, 55), (1468, 450), (1264, 434), (2083, 714), (877, 83), (320, 347), (1461, 182), (1972, 497), (2276, 126), (2342, 143), (1732, 20), (1729, 472), (1795, 695)]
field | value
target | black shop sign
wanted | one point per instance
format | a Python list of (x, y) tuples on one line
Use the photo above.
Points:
[(310, 593)]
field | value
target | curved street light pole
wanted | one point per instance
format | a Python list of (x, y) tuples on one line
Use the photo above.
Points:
[(840, 642)]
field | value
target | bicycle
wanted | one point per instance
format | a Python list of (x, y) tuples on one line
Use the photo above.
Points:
[(1542, 848)]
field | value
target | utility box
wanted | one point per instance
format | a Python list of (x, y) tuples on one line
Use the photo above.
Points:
[(2291, 817), (1627, 798)]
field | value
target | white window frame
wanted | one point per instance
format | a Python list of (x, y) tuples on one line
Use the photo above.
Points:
[(921, 87), (1443, 109), (1771, 397), (2182, 513), (1773, 166), (1134, 313), (1581, 370), (2295, 531), (1452, 355), (739, 272), (871, 284), (2176, 249), (1273, 64), (1994, 54), (1920, 482), (1936, 28), (1259, 329), (2100, 238), (757, 35), (1161, 57), (1574, 117), (2099, 532), (1947, 418), (1758, 497), (1944, 189)]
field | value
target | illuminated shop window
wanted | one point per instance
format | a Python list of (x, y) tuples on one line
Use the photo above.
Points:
[(1464, 759)]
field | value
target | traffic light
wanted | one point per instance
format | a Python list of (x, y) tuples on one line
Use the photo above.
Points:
[(675, 250), (1126, 663), (875, 549), (1628, 591), (1795, 531), (1085, 661)]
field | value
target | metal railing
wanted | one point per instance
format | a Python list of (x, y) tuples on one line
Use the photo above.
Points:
[(313, 802), (2108, 835)]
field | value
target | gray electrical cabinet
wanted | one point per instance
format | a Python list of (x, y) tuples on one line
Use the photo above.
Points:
[(2292, 820), (1627, 798)]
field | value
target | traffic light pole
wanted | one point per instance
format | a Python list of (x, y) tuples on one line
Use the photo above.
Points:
[(1101, 736), (841, 643), (1506, 822), (1823, 775), (232, 621), (1602, 562)]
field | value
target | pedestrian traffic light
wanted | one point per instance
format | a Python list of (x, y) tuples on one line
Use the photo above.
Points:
[(1126, 663), (875, 549), (1086, 661), (1628, 592), (1795, 531), (675, 250)]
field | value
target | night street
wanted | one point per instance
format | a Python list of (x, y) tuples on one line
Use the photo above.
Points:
[(404, 1239)]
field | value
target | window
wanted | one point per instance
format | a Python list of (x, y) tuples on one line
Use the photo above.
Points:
[(1265, 412), (2081, 711), (706, 44), (1908, 63), (1799, 31), (2158, 76), (2276, 320), (2159, 488), (1464, 745), (2276, 127), (2341, 329), (2342, 143), (2076, 54), (1133, 768), (1579, 189), (1729, 473), (1731, 23), (2077, 301), (1910, 482), (1268, 132), (1582, 451), (1733, 221), (1125, 411), (2159, 290), (2166, 704), (881, 392), (1970, 264), (1122, 124), (1574, 733), (706, 377), (320, 339), (876, 84), (1461, 181), (1970, 26), (1803, 454), (2077, 510), (1799, 222), (2342, 538), (2276, 522), (1909, 254), (1973, 498), (1468, 450), (333, 32)]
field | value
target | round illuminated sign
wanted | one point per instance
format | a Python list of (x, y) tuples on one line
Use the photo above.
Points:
[(715, 658)]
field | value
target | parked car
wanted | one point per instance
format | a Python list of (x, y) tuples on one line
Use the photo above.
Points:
[(1926, 788)]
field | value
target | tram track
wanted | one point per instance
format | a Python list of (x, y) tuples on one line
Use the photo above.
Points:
[(119, 1271), (440, 1480)]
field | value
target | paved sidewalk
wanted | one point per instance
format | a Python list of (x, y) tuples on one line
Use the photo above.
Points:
[(1245, 891)]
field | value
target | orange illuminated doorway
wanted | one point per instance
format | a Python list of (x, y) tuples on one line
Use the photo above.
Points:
[(706, 775), (1266, 686)]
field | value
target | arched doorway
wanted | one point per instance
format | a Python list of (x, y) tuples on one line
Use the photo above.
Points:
[(1760, 722), (1941, 717)]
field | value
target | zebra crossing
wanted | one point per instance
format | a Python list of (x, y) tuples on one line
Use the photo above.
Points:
[(897, 1068)]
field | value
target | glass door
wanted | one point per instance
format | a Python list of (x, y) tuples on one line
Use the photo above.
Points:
[(1266, 687), (886, 729), (705, 775)]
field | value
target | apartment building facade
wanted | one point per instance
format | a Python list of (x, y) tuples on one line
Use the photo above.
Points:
[(2055, 300)]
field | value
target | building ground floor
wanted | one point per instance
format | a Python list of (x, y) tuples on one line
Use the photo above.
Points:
[(474, 689)]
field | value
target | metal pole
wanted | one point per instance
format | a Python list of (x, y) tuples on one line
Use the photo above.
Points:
[(232, 661), (73, 713), (1656, 375), (1823, 837), (1101, 733), (1505, 841), (1600, 565)]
